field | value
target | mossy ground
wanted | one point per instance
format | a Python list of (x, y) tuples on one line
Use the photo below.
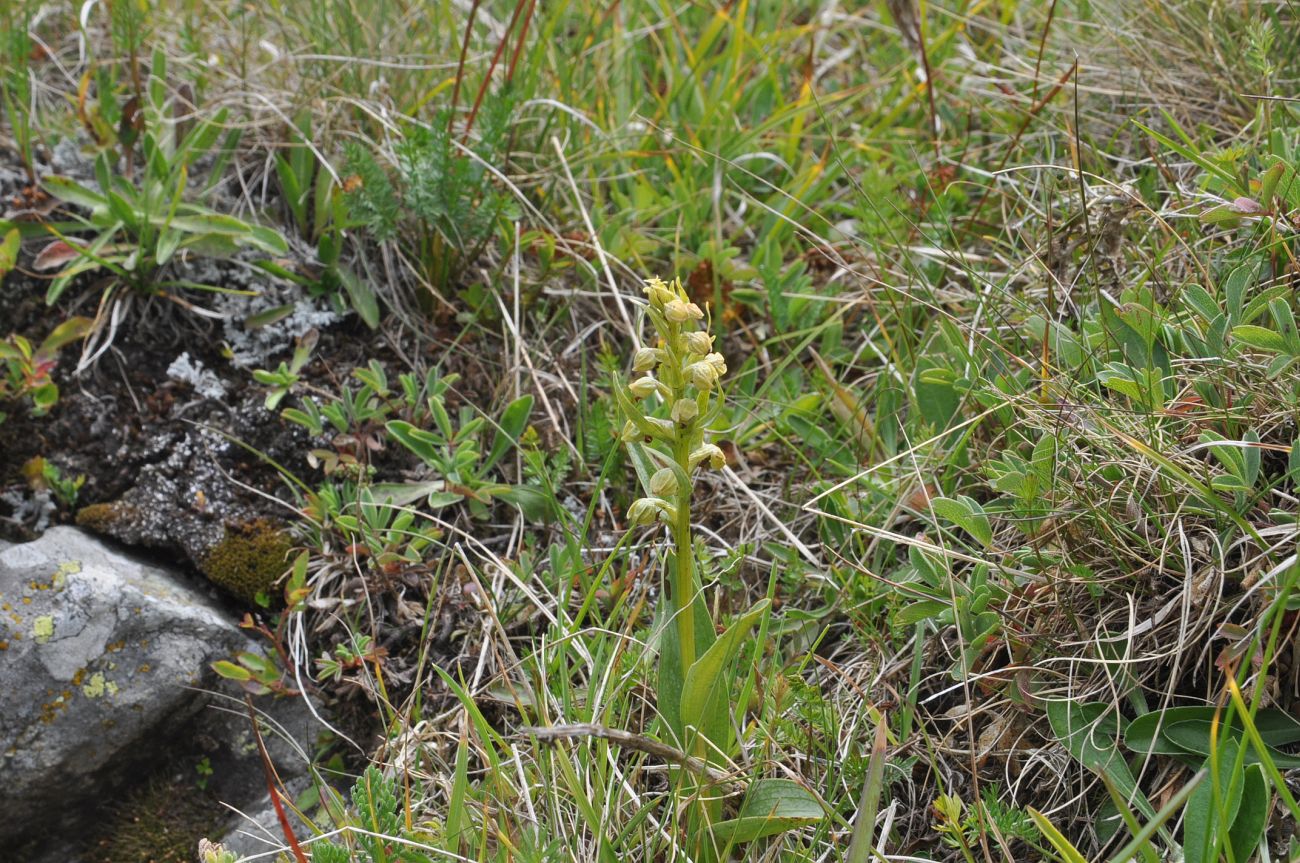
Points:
[(160, 822), (249, 560)]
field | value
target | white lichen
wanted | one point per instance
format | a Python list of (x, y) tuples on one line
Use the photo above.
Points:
[(191, 371)]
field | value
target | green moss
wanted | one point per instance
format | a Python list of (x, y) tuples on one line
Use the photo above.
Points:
[(159, 823), (248, 560), (102, 517)]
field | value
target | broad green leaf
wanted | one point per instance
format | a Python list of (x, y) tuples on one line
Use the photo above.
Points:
[(1268, 181), (1252, 818), (936, 396), (704, 704), (1121, 383), (65, 333), (1200, 824), (268, 316), (966, 514), (910, 615), (403, 493), (74, 193), (1276, 727), (168, 242), (9, 251), (1197, 298), (1090, 732), (864, 820), (771, 806), (533, 502), (440, 499), (231, 671), (514, 419), (668, 688), (642, 465), (1227, 483), (417, 440), (1194, 736), (361, 296), (1259, 337)]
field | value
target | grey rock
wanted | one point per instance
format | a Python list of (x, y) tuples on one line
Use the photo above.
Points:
[(100, 654), (256, 829)]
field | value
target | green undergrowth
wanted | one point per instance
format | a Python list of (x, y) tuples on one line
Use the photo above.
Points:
[(995, 558)]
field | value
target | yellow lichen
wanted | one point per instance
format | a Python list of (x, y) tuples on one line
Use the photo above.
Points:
[(94, 688), (43, 628), (248, 560)]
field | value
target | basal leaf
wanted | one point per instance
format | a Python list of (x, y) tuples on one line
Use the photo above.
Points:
[(772, 806), (514, 419)]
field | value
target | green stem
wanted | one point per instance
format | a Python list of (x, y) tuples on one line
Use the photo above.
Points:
[(684, 583)]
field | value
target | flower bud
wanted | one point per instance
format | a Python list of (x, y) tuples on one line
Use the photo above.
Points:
[(718, 362), (666, 429), (710, 452), (642, 511), (676, 311), (645, 359), (658, 292), (643, 387), (663, 483), (702, 374), (685, 410), (645, 510), (699, 342), (630, 432)]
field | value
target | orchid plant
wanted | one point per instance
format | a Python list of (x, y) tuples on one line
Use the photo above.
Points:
[(670, 409)]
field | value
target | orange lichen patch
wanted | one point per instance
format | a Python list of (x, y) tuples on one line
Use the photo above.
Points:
[(115, 646), (4, 645), (78, 677), (51, 709), (145, 668)]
